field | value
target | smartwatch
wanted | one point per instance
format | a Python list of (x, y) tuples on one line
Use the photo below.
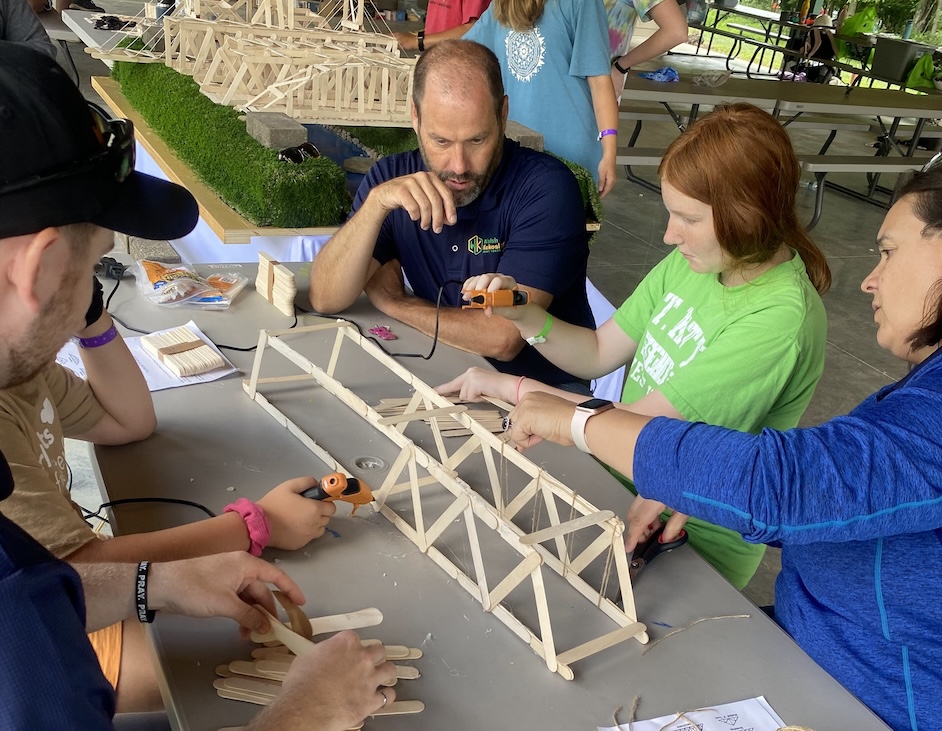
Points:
[(618, 66), (585, 411)]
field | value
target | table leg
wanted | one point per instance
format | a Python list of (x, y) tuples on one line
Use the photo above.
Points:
[(68, 57)]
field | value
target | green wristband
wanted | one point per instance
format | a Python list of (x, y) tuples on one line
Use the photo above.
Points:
[(540, 337)]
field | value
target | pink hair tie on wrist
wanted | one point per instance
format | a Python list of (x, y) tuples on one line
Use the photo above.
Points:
[(517, 389), (255, 522)]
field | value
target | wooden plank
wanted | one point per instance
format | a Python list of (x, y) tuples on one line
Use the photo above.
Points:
[(226, 223)]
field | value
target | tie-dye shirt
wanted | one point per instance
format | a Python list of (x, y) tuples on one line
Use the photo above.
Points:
[(622, 16)]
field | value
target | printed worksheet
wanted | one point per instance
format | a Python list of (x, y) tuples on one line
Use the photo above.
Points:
[(754, 714), (157, 375)]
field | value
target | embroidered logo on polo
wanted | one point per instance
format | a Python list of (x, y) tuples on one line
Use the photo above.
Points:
[(478, 245), (524, 53)]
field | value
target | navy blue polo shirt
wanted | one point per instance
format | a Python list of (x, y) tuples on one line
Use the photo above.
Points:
[(528, 223)]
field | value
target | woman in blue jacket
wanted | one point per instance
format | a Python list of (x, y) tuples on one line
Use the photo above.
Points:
[(855, 503)]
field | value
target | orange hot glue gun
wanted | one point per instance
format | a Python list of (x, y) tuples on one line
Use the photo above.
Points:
[(478, 299), (337, 486)]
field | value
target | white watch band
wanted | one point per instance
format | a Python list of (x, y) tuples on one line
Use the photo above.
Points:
[(577, 429)]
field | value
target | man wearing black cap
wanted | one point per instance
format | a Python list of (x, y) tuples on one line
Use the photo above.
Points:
[(67, 180)]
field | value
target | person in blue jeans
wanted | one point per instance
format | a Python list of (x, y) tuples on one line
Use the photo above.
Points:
[(855, 503)]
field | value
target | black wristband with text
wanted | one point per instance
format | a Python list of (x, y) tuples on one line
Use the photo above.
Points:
[(144, 614)]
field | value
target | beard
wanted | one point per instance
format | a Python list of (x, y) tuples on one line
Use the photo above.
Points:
[(478, 181), (37, 347)]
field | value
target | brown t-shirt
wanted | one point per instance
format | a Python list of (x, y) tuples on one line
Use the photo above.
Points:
[(34, 418)]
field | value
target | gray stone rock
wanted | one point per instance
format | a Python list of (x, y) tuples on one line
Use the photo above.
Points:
[(275, 130)]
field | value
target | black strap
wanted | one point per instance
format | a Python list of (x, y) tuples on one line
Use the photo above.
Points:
[(144, 614)]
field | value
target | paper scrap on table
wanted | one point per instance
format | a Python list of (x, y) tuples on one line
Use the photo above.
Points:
[(157, 375), (754, 714)]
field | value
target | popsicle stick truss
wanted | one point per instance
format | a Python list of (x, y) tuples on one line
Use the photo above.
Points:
[(417, 480), (277, 56)]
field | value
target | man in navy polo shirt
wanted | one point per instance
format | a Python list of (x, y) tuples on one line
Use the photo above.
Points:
[(467, 202)]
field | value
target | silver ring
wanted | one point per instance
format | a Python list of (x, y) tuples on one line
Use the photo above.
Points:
[(507, 423), (382, 692)]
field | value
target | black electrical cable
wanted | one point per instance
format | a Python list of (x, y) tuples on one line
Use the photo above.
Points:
[(379, 343), (438, 311), (129, 500), (148, 332)]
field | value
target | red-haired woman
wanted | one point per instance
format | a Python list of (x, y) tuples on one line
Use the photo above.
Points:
[(729, 329)]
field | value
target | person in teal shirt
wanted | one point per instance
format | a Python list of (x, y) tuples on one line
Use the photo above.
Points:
[(554, 62), (729, 329)]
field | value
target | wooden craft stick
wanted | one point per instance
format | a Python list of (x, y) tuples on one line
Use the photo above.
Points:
[(296, 618), (601, 643), (426, 414), (263, 692), (293, 641), (400, 708), (180, 347), (570, 526), (274, 667), (397, 652), (393, 652), (333, 623), (369, 617), (257, 669)]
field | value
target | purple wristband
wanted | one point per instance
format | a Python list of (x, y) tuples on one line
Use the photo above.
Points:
[(255, 523), (607, 132), (96, 342)]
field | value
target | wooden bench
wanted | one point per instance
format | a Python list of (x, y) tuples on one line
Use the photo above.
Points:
[(933, 131), (872, 165), (641, 113), (642, 157)]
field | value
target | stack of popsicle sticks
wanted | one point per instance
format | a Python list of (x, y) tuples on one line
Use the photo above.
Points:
[(490, 419), (259, 680), (276, 283), (183, 352)]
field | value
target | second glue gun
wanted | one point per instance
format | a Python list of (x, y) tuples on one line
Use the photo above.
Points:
[(337, 486)]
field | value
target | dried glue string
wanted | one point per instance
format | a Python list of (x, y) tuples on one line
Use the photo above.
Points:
[(538, 506), (567, 541), (607, 573), (695, 622), (503, 475)]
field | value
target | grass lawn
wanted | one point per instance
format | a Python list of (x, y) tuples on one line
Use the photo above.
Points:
[(721, 45)]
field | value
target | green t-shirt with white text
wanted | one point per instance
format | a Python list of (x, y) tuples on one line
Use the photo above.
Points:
[(745, 357)]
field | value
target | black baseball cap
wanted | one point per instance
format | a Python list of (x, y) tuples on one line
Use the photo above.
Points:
[(64, 161)]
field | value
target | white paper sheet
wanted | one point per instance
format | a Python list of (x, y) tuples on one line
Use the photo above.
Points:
[(754, 714), (157, 375)]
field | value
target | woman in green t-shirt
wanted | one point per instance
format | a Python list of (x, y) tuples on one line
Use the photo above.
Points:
[(729, 329)]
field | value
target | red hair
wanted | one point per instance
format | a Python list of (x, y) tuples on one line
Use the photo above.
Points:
[(739, 160)]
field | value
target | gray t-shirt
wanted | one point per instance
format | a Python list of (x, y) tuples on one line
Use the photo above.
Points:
[(20, 24)]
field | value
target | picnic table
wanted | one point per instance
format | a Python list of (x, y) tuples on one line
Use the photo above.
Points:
[(825, 107)]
